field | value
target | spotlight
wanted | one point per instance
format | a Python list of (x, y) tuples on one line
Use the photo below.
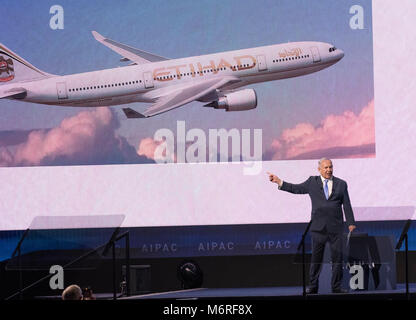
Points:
[(190, 274)]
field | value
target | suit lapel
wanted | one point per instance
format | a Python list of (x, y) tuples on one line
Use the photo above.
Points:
[(319, 182), (334, 186), (320, 185)]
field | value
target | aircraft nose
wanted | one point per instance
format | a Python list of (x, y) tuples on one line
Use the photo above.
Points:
[(340, 54)]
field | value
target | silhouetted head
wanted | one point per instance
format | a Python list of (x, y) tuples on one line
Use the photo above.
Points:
[(72, 292)]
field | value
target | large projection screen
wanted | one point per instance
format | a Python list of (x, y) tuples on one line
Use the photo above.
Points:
[(369, 96)]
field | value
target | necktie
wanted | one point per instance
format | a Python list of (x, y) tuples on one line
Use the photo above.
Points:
[(326, 189)]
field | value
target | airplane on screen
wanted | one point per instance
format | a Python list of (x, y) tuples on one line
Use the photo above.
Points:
[(214, 79)]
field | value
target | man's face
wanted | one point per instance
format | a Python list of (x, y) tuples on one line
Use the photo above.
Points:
[(326, 169)]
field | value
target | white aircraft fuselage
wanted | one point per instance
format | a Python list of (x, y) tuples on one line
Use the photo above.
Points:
[(149, 82)]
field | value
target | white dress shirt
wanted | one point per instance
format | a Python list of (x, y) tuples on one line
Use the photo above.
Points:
[(330, 183)]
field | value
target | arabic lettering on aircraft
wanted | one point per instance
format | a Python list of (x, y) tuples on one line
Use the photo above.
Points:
[(169, 73), (288, 53)]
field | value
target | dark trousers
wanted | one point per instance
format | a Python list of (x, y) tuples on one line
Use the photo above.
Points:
[(319, 240)]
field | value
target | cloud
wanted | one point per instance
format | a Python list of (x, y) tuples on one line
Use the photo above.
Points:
[(89, 137), (340, 136), (147, 148)]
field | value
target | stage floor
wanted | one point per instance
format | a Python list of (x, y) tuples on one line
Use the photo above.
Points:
[(274, 293), (261, 293)]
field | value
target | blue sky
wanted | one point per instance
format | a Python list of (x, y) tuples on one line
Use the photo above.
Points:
[(185, 28)]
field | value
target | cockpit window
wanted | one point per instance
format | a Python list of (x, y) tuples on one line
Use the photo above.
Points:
[(332, 49)]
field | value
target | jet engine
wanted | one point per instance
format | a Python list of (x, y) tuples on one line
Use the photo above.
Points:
[(236, 101)]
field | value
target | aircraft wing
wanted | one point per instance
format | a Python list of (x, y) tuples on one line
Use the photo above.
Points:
[(181, 96), (15, 92), (128, 53)]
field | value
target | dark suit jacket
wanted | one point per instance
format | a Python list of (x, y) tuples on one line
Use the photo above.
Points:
[(325, 213)]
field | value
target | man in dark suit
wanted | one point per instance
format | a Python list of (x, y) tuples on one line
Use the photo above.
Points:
[(328, 195)]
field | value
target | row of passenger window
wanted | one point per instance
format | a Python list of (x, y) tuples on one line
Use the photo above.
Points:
[(167, 77), (199, 72), (106, 86), (291, 58), (187, 74), (158, 78)]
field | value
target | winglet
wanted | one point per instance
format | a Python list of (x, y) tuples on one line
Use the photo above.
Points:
[(132, 114), (97, 36)]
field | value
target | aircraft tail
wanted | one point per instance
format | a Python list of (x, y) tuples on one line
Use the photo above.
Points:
[(14, 68)]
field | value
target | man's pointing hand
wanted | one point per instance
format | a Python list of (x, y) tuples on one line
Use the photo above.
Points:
[(273, 178)]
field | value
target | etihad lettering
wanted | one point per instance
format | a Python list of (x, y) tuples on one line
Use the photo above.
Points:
[(161, 76), (210, 67), (224, 64), (244, 62), (191, 67), (177, 68)]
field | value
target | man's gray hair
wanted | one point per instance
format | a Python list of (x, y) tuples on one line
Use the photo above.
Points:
[(323, 159)]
